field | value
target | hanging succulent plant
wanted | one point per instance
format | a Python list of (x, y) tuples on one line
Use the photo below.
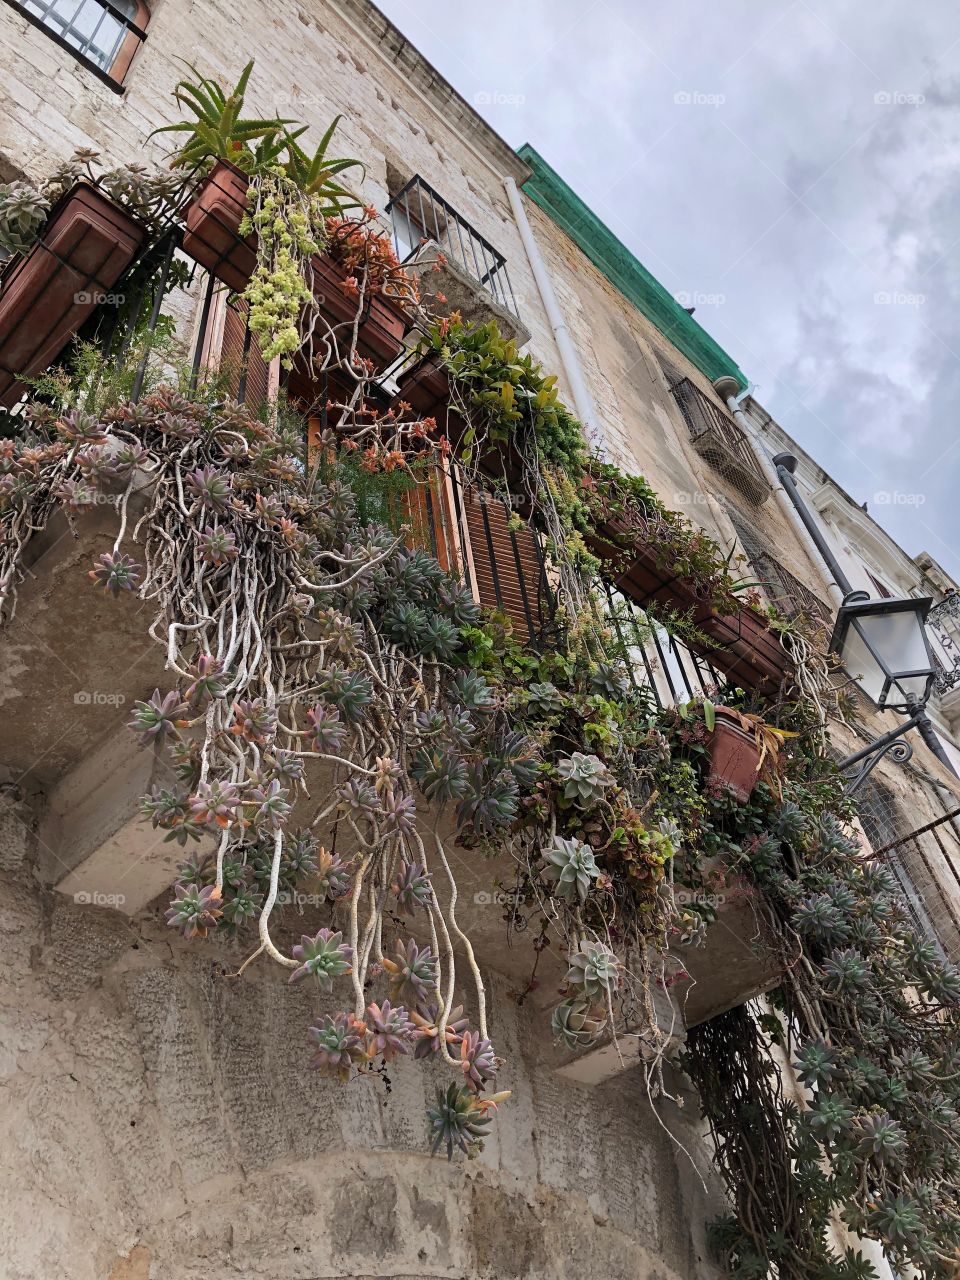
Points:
[(324, 957), (594, 970), (578, 1023), (585, 779), (571, 869)]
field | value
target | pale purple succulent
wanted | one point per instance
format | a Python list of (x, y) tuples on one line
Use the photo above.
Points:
[(252, 718), (116, 572), (338, 1041), (211, 488), (428, 1032), (194, 911), (215, 804), (327, 728), (157, 717), (390, 1029), (324, 957), (412, 973), (359, 798), (399, 813), (412, 887), (478, 1062), (218, 546), (207, 679), (274, 808)]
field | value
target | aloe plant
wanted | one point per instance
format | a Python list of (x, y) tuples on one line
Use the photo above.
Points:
[(219, 131)]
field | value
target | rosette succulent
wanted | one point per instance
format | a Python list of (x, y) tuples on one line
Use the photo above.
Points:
[(324, 957), (23, 212), (115, 572), (390, 1031), (585, 779), (154, 719), (338, 1042), (571, 868), (194, 910), (594, 970), (412, 973), (577, 1023), (458, 1120), (478, 1062), (412, 887)]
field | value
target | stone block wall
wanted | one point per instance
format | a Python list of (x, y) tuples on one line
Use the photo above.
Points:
[(160, 1122)]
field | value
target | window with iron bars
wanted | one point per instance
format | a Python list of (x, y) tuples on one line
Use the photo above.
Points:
[(419, 214), (102, 34)]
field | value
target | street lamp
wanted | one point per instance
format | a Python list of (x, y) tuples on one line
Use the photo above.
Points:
[(883, 645)]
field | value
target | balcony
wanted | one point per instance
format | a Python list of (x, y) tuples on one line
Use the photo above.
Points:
[(451, 258), (718, 439)]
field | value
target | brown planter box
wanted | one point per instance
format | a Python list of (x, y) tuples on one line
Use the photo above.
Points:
[(212, 239), (734, 756), (213, 224), (382, 324), (45, 295), (426, 387), (743, 646)]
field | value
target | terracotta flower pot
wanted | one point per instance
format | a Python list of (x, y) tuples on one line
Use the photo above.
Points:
[(734, 756), (45, 295), (213, 224)]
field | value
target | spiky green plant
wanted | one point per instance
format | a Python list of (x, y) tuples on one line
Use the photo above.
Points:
[(457, 1121)]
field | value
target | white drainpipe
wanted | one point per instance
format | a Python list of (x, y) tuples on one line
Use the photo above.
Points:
[(727, 388), (573, 370)]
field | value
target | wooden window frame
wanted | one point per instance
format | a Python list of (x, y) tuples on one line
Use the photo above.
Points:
[(114, 76)]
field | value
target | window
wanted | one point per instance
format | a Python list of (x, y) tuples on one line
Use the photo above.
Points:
[(102, 34)]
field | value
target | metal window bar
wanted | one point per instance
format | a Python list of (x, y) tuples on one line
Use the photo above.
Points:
[(702, 415), (419, 213), (654, 658), (92, 30)]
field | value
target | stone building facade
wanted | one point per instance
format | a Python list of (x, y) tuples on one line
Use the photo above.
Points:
[(158, 1122)]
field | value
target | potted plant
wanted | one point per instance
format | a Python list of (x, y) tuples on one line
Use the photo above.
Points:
[(741, 745), (268, 222), (66, 260)]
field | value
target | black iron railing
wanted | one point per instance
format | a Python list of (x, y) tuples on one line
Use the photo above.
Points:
[(94, 31), (418, 215), (943, 623)]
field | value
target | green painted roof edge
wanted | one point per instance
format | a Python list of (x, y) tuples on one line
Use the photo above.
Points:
[(615, 261)]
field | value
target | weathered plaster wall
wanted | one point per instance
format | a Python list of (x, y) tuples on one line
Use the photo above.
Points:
[(150, 1108)]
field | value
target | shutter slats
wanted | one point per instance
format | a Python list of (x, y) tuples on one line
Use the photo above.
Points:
[(231, 358)]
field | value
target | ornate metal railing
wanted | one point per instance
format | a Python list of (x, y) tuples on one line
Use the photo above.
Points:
[(943, 623), (419, 214)]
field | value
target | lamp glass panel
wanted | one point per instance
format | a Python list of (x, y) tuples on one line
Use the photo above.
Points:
[(861, 664), (898, 638)]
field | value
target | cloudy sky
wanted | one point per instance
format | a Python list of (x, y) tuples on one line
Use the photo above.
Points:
[(792, 166)]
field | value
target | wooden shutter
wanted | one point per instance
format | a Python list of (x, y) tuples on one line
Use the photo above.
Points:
[(507, 567), (232, 358)]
